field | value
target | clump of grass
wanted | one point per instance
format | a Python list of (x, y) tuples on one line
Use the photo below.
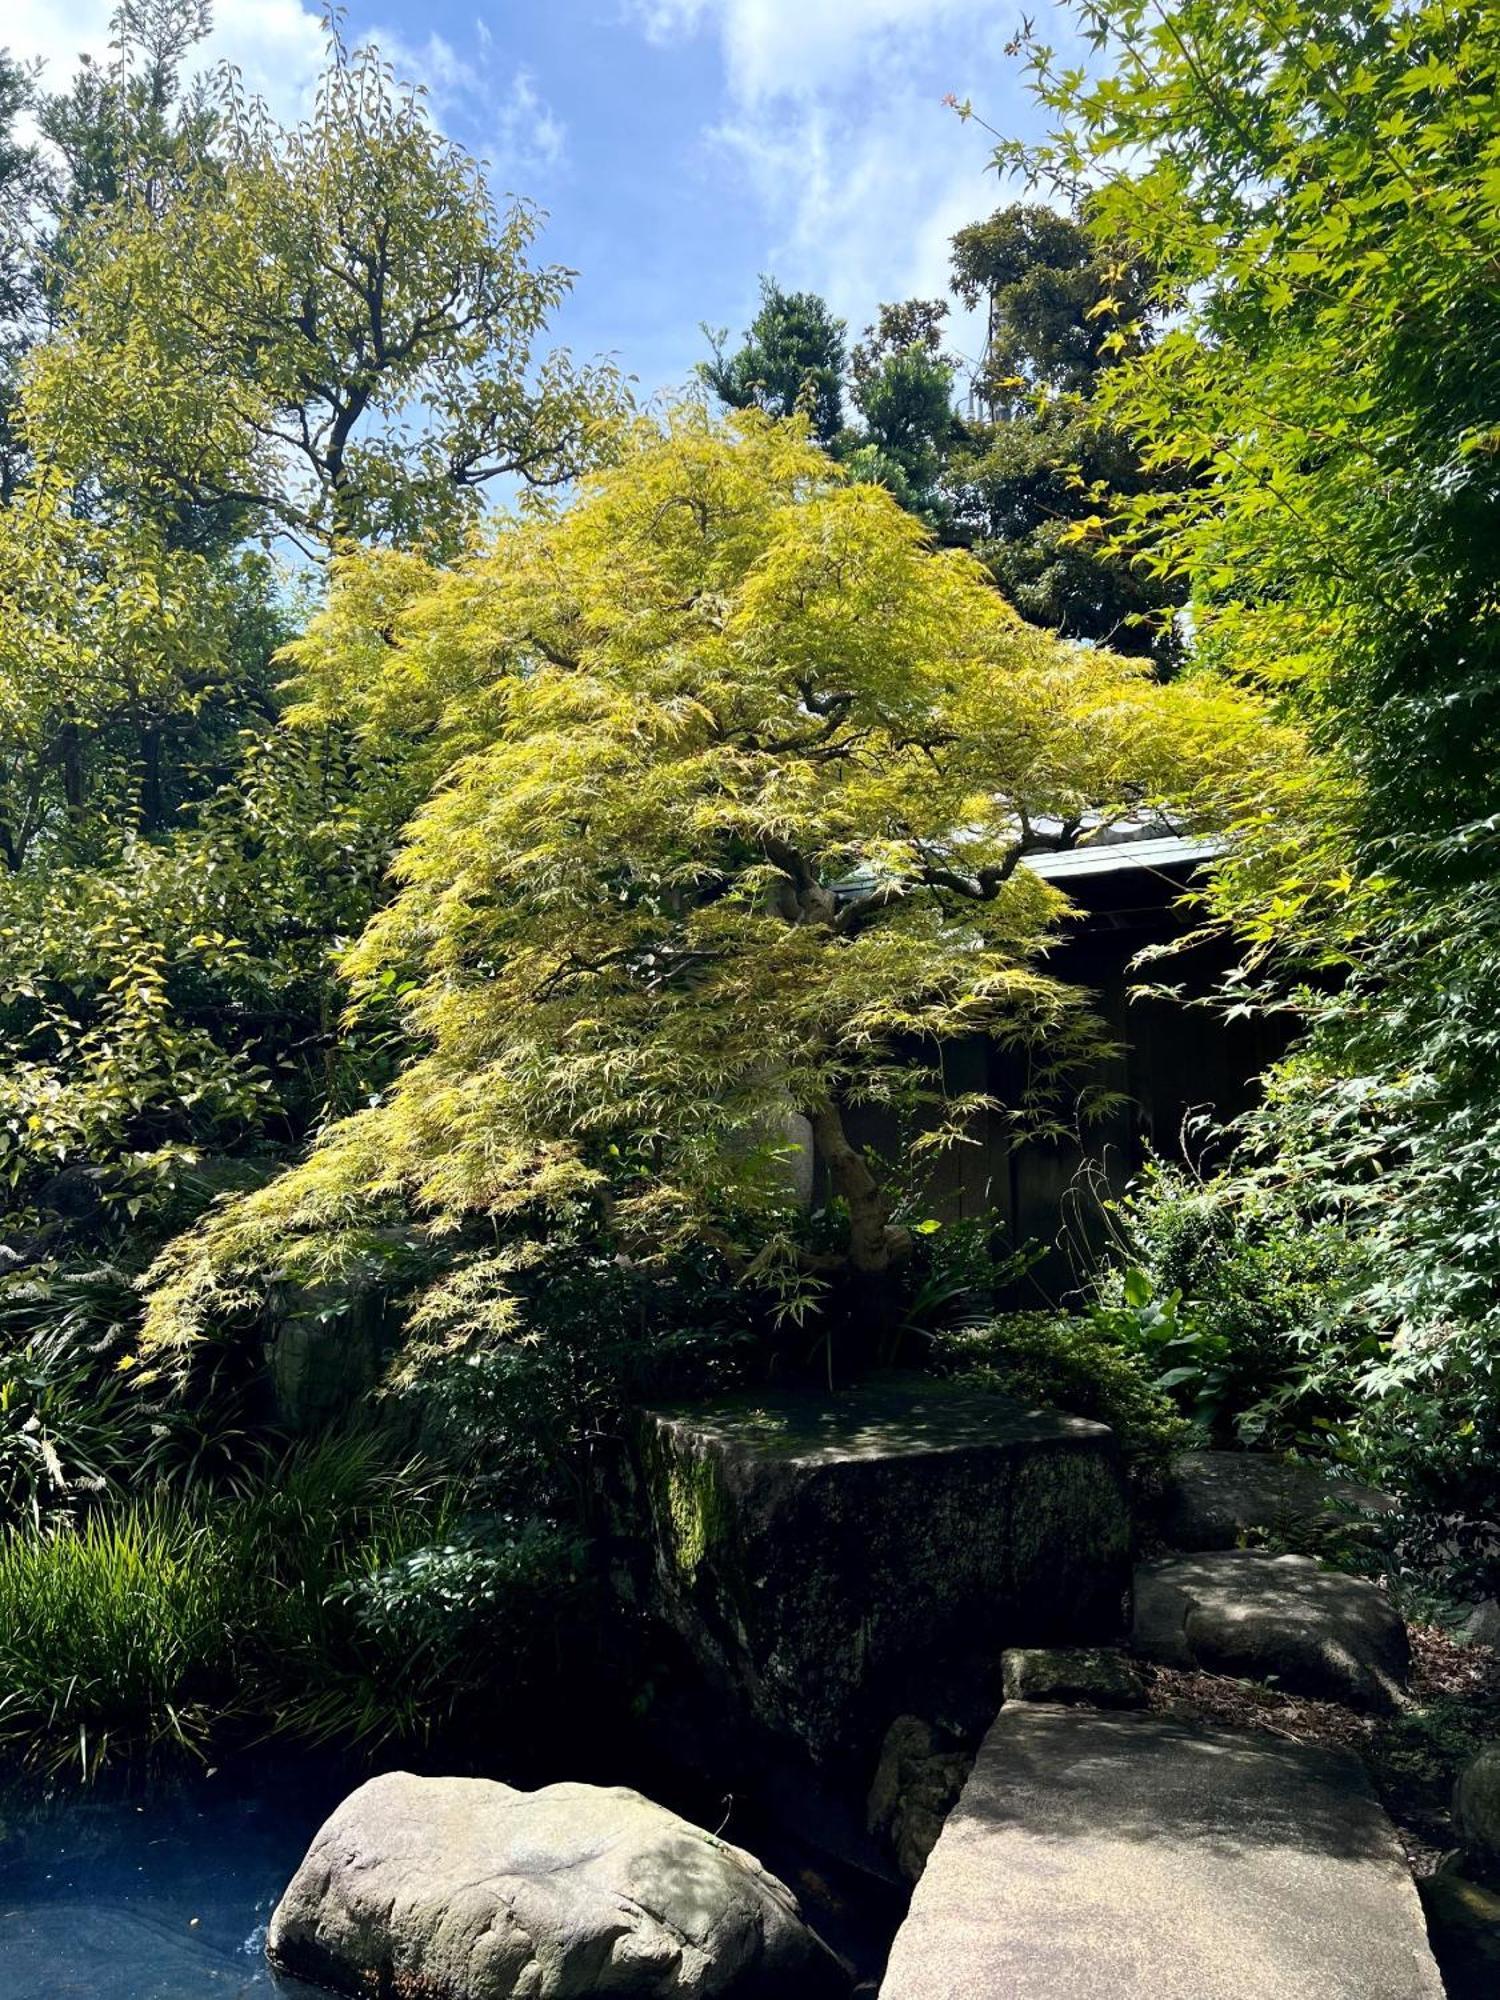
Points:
[(345, 1598), (115, 1635)]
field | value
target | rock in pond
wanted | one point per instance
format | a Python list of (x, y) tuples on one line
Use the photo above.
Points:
[(1476, 1803), (917, 1782), (464, 1889), (830, 1558), (1262, 1617), (1097, 1676), (1129, 1857), (1217, 1499)]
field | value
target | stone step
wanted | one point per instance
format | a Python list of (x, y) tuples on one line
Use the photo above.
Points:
[(1130, 1857)]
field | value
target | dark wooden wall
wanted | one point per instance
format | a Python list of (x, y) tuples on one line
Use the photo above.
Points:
[(1172, 1061)]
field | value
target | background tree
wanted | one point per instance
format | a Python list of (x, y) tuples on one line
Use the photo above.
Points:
[(1031, 470), (21, 188), (1317, 191), (328, 331), (695, 866), (903, 389), (793, 360)]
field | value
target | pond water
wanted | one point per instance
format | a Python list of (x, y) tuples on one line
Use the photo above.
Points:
[(112, 1895), (162, 1897)]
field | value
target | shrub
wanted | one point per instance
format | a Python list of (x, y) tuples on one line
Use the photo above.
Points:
[(1244, 1302), (1076, 1364), (344, 1599)]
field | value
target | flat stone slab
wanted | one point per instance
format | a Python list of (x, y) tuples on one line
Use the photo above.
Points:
[(1096, 1676), (1216, 1499), (1262, 1617), (831, 1560), (1129, 1857)]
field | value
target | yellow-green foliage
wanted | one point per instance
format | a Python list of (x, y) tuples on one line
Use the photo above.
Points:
[(666, 723)]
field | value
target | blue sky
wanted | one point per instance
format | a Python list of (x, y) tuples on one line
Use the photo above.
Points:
[(681, 146)]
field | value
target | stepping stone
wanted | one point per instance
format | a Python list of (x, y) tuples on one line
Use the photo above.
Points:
[(1215, 1499), (1261, 1617), (830, 1560), (1130, 1857), (1094, 1675)]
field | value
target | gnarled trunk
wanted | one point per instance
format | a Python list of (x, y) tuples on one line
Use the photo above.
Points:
[(875, 1243)]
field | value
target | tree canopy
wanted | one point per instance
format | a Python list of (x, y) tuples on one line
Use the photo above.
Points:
[(743, 775), (1316, 190), (232, 333)]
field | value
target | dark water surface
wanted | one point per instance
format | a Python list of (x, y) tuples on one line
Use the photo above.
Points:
[(164, 1894), (157, 1897)]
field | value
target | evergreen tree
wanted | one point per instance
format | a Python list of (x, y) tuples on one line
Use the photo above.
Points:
[(792, 360)]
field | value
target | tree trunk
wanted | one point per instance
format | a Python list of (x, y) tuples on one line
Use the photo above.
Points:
[(874, 1245), (70, 741)]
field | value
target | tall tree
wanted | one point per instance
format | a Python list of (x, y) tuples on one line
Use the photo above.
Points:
[(1317, 188), (903, 389), (1030, 474), (792, 360), (328, 331), (696, 865), (22, 184)]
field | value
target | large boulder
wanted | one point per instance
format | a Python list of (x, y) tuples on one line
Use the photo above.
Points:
[(834, 1560), (463, 1889), (1481, 1627), (1220, 1499), (1476, 1803), (1262, 1617)]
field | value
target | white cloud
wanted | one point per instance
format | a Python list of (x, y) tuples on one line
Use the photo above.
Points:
[(835, 121), (500, 111), (276, 44), (800, 48)]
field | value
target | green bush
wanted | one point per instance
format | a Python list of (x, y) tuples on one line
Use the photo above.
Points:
[(1244, 1304), (1074, 1364), (344, 1599)]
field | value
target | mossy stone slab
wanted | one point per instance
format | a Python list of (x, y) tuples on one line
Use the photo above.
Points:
[(837, 1560)]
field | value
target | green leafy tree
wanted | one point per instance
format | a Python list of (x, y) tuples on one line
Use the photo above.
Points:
[(743, 773), (1032, 469), (1317, 190), (792, 361), (328, 331), (21, 188), (903, 389)]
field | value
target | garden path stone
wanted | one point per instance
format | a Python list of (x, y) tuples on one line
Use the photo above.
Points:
[(464, 1889), (1095, 1675), (834, 1560), (1133, 1857), (1262, 1617), (1216, 1499)]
